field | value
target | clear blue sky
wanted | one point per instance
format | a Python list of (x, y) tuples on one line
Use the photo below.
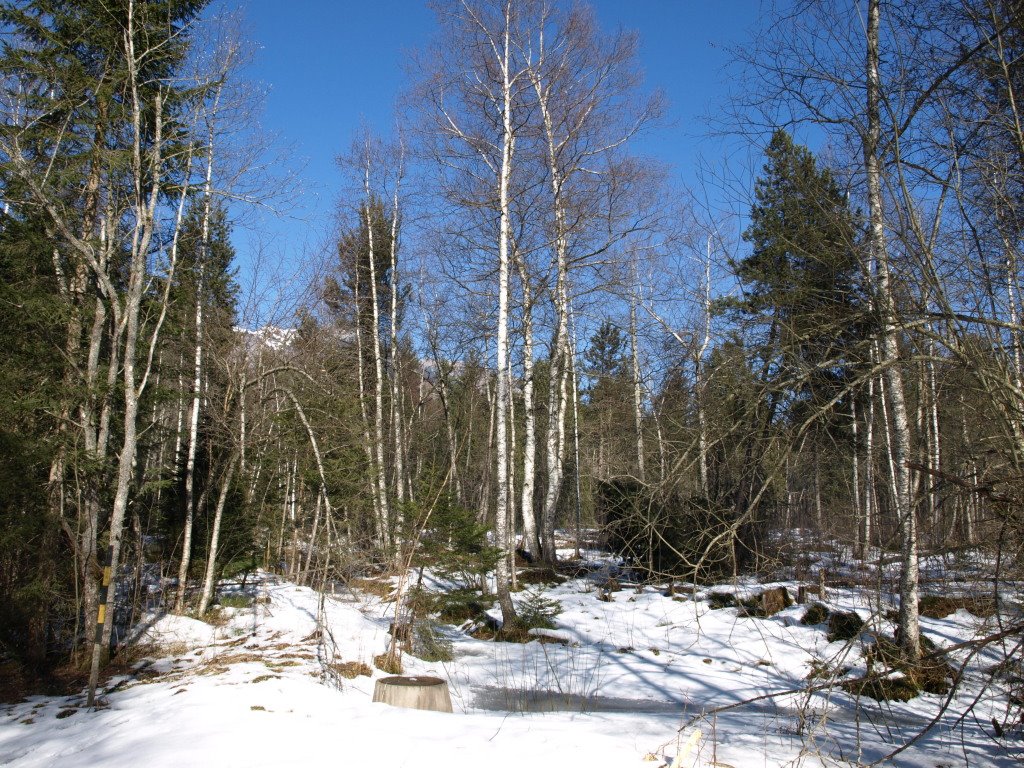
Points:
[(333, 65)]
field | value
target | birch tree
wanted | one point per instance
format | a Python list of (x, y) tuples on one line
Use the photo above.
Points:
[(477, 115)]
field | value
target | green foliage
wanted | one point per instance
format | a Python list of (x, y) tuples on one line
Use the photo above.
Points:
[(454, 543), (429, 642), (801, 280), (35, 580), (605, 357), (220, 290), (535, 611), (235, 600), (241, 566), (457, 606), (352, 287), (65, 80)]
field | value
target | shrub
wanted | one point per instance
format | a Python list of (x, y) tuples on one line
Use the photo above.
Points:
[(844, 625), (766, 603), (817, 613), (235, 600), (389, 663), (457, 606), (898, 688), (454, 543), (242, 566), (429, 643), (539, 576), (719, 600), (931, 674), (939, 606), (695, 537), (537, 612)]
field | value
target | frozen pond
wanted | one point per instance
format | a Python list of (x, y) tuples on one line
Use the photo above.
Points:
[(511, 700)]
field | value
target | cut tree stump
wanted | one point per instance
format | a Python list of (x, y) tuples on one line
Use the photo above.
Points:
[(414, 693)]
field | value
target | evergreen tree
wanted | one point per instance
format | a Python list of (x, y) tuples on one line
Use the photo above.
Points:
[(606, 360), (607, 415), (93, 124), (800, 281), (36, 575)]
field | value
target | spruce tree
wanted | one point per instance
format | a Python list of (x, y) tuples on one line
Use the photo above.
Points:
[(801, 280)]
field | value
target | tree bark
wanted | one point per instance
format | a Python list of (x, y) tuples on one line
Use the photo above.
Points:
[(211, 555), (908, 623), (502, 507)]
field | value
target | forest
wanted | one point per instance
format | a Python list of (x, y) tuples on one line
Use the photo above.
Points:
[(524, 339)]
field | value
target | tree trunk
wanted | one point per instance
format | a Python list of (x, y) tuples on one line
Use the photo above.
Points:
[(211, 555), (638, 415), (193, 441), (531, 541), (908, 623), (380, 470), (501, 516), (396, 389)]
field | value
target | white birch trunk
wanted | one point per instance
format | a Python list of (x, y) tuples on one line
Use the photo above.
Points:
[(380, 526), (908, 623), (380, 470), (396, 391), (531, 542), (501, 517), (698, 366), (638, 415), (146, 175), (211, 556), (193, 441)]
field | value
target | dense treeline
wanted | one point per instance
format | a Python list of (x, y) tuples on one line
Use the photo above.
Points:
[(516, 332)]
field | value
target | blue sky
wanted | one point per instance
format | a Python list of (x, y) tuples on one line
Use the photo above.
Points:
[(334, 65)]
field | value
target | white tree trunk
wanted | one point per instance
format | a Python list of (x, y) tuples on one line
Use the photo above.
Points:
[(638, 414), (146, 174), (211, 556), (379, 522), (502, 508), (698, 366), (396, 389), (908, 622), (531, 542), (193, 442), (380, 470)]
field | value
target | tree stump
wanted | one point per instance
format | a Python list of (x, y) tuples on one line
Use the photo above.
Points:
[(414, 693), (807, 590)]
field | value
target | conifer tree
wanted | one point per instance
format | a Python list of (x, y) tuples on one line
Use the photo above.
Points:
[(800, 281)]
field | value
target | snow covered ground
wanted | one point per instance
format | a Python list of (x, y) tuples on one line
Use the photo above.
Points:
[(633, 679)]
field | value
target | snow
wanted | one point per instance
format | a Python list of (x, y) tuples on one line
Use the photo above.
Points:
[(271, 336), (171, 630), (626, 682)]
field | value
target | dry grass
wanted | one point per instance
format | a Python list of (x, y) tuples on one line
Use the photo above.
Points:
[(379, 587), (939, 607), (386, 663), (352, 669)]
